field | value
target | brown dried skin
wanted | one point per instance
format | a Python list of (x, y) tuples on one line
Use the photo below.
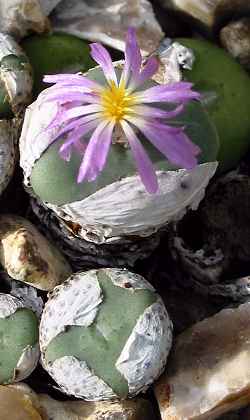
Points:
[(235, 37), (137, 409), (210, 13), (208, 371), (43, 407), (20, 17), (27, 256), (15, 404), (84, 254)]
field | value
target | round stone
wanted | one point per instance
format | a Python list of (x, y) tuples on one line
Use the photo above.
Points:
[(105, 334), (56, 53), (16, 405), (217, 74)]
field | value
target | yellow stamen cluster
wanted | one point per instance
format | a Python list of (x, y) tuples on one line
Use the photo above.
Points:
[(116, 101)]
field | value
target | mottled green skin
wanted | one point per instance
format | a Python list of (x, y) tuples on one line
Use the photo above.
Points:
[(54, 180), (17, 331), (215, 71), (13, 62), (101, 344), (56, 53), (5, 109), (10, 62)]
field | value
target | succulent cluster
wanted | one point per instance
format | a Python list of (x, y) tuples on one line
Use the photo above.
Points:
[(113, 155)]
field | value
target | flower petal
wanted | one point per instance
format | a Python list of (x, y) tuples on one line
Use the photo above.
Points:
[(64, 90), (172, 142), (152, 112), (150, 68), (102, 57), (133, 58), (77, 134), (143, 163), (166, 93), (104, 145), (90, 159), (79, 111), (68, 126), (73, 97), (71, 80)]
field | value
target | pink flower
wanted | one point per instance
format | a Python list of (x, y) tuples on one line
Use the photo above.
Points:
[(87, 107)]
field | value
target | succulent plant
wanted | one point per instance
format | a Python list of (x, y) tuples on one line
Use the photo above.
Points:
[(15, 94), (19, 350), (54, 53), (109, 315), (214, 71), (15, 76), (105, 202)]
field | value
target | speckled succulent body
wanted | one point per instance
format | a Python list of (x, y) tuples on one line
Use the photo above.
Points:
[(74, 340), (17, 331), (18, 339)]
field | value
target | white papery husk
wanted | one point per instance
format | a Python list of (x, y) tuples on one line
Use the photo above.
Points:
[(28, 360), (123, 208), (142, 359)]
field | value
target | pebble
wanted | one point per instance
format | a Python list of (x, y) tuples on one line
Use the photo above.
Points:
[(208, 371), (28, 256), (235, 38)]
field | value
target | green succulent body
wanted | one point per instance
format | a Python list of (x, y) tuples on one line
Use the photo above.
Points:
[(56, 53), (100, 344), (214, 71), (54, 180), (17, 331)]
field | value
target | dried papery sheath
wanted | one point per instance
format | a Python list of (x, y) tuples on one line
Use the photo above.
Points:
[(173, 58), (19, 17), (15, 75), (107, 21), (82, 325), (19, 352), (115, 231), (28, 296), (99, 150)]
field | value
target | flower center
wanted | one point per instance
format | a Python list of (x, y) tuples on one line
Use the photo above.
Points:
[(116, 101)]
